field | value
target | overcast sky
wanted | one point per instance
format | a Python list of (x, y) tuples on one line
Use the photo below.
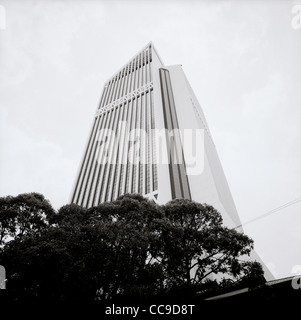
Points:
[(243, 61)]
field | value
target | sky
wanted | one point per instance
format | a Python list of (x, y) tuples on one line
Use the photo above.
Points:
[(242, 59)]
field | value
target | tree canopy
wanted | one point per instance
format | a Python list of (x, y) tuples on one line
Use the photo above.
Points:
[(24, 214), (129, 247)]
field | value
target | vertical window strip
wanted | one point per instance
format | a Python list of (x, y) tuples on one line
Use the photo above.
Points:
[(94, 167), (143, 68), (102, 97), (121, 93), (131, 77), (128, 75), (179, 181), (126, 82), (111, 179), (117, 174), (105, 96), (108, 164), (146, 67), (87, 180), (113, 90), (134, 73), (136, 147), (103, 153), (98, 156), (150, 64), (108, 93), (179, 152), (154, 156), (137, 72), (135, 76), (124, 166), (133, 149), (140, 70), (117, 87), (129, 177), (138, 78), (174, 163), (98, 165), (120, 80), (87, 167), (167, 120), (146, 163), (75, 197), (145, 150), (141, 188)]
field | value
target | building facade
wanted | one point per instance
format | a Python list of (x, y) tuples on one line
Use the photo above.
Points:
[(126, 149), (130, 148)]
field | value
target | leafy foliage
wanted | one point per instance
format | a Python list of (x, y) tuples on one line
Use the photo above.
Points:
[(130, 247), (27, 213), (196, 245)]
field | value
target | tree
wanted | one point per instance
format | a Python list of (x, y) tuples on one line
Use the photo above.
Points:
[(23, 214), (104, 252), (197, 245), (130, 247), (7, 221), (133, 265)]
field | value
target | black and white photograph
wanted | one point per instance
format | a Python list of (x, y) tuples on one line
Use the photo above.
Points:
[(150, 154)]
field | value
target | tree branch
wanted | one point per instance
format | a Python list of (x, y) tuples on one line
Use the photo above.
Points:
[(214, 269)]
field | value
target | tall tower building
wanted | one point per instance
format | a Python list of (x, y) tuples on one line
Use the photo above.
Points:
[(131, 149), (139, 104)]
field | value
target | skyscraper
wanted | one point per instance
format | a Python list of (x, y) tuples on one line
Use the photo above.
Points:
[(138, 142), (146, 96)]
